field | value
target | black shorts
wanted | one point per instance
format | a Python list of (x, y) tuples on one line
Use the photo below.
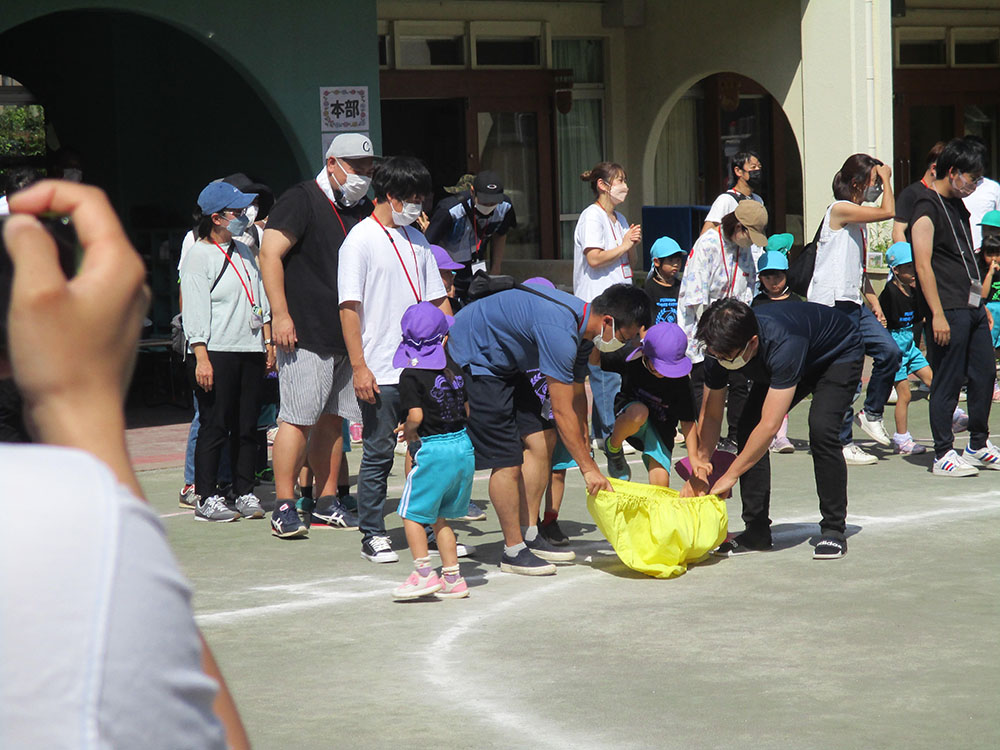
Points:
[(501, 411)]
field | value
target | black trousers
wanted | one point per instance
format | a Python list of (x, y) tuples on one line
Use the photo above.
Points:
[(736, 398), (832, 392), (228, 412), (967, 360)]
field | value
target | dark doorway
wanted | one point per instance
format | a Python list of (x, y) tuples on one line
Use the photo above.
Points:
[(433, 130)]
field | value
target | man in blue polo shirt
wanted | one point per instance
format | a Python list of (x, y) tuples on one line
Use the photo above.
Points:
[(496, 340), (788, 352)]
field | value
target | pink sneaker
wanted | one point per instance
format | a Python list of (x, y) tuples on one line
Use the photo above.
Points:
[(417, 586), (456, 590), (908, 446)]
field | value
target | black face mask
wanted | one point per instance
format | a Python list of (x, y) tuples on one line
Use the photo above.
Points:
[(755, 178)]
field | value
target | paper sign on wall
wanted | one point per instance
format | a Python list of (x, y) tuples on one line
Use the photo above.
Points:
[(343, 109)]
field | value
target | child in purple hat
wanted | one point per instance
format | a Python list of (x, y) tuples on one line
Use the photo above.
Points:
[(447, 268), (432, 396), (656, 394)]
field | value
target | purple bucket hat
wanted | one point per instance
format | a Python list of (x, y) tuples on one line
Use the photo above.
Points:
[(444, 261), (424, 328), (664, 345)]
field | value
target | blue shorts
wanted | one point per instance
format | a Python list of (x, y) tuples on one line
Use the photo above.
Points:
[(561, 459), (994, 308), (913, 358), (440, 484), (652, 444)]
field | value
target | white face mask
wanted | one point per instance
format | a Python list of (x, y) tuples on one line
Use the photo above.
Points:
[(409, 214), (618, 192), (486, 210), (355, 186), (607, 347), (738, 362), (251, 214)]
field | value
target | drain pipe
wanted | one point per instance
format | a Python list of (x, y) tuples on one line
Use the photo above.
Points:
[(870, 72)]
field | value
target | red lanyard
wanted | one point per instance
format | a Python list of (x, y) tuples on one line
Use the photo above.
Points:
[(614, 234), (229, 258), (414, 289), (335, 211), (730, 277), (924, 183)]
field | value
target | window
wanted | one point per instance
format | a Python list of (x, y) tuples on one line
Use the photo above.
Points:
[(921, 47), (508, 44), (429, 44), (22, 127), (508, 52), (975, 47), (579, 132)]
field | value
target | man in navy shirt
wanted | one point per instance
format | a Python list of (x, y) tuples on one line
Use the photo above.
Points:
[(787, 351), (496, 340)]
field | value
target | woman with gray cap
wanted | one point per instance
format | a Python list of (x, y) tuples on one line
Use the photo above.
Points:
[(227, 322)]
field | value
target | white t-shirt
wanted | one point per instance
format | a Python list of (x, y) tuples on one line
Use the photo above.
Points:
[(372, 272), (725, 204), (840, 261), (596, 229), (715, 269), (98, 645), (984, 199), (4, 208)]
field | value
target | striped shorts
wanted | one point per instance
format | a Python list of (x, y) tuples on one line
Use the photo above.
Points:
[(312, 385)]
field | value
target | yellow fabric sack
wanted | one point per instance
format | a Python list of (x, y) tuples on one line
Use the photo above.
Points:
[(656, 532)]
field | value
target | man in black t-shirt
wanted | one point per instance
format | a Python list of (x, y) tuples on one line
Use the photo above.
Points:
[(788, 352), (472, 226), (298, 262), (908, 196), (959, 344)]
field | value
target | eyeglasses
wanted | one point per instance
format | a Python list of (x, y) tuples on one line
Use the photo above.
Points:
[(236, 212)]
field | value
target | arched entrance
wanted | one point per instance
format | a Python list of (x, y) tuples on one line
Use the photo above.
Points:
[(154, 114), (687, 159)]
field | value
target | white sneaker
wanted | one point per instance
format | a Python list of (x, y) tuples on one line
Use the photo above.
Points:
[(952, 465), (855, 456), (987, 457), (907, 445), (873, 428)]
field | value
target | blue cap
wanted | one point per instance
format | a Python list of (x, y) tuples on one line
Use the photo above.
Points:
[(664, 248), (898, 254), (219, 195), (772, 260)]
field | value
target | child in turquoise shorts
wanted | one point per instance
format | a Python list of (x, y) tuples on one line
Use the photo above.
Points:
[(656, 394), (432, 396)]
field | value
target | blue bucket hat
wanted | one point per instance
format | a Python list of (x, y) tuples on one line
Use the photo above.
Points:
[(898, 254), (664, 248), (772, 260), (781, 243)]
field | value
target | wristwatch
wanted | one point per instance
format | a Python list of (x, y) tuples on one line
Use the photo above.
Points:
[(267, 342)]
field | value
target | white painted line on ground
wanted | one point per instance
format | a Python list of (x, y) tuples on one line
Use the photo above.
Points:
[(178, 513)]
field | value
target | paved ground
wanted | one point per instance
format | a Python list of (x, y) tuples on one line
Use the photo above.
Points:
[(894, 646)]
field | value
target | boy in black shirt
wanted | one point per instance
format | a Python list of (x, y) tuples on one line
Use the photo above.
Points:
[(662, 285), (432, 395), (655, 395), (959, 344)]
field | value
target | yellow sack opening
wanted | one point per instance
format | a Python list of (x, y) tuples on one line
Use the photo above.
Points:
[(656, 532)]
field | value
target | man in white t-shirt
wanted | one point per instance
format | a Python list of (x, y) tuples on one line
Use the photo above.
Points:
[(386, 265), (99, 646), (747, 177), (986, 198)]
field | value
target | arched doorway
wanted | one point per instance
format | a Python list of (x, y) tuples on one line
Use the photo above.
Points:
[(715, 118), (154, 114)]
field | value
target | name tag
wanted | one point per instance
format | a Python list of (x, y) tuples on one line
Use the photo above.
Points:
[(626, 268), (477, 267)]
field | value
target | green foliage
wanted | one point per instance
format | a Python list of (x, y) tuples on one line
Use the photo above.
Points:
[(22, 130)]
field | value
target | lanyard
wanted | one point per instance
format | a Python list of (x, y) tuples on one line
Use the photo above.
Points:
[(614, 234), (245, 270), (730, 278), (335, 211), (924, 183), (958, 247), (414, 289), (470, 214)]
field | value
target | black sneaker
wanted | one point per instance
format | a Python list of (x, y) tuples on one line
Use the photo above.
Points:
[(332, 513), (829, 548), (526, 564), (541, 548), (378, 549), (617, 464), (553, 534), (475, 513), (727, 445), (285, 523), (737, 546)]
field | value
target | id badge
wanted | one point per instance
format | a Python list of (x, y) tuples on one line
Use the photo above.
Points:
[(256, 318), (626, 268), (975, 294), (478, 266)]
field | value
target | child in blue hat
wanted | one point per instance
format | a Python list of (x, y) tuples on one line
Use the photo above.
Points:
[(903, 308), (432, 396), (772, 274), (662, 285)]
